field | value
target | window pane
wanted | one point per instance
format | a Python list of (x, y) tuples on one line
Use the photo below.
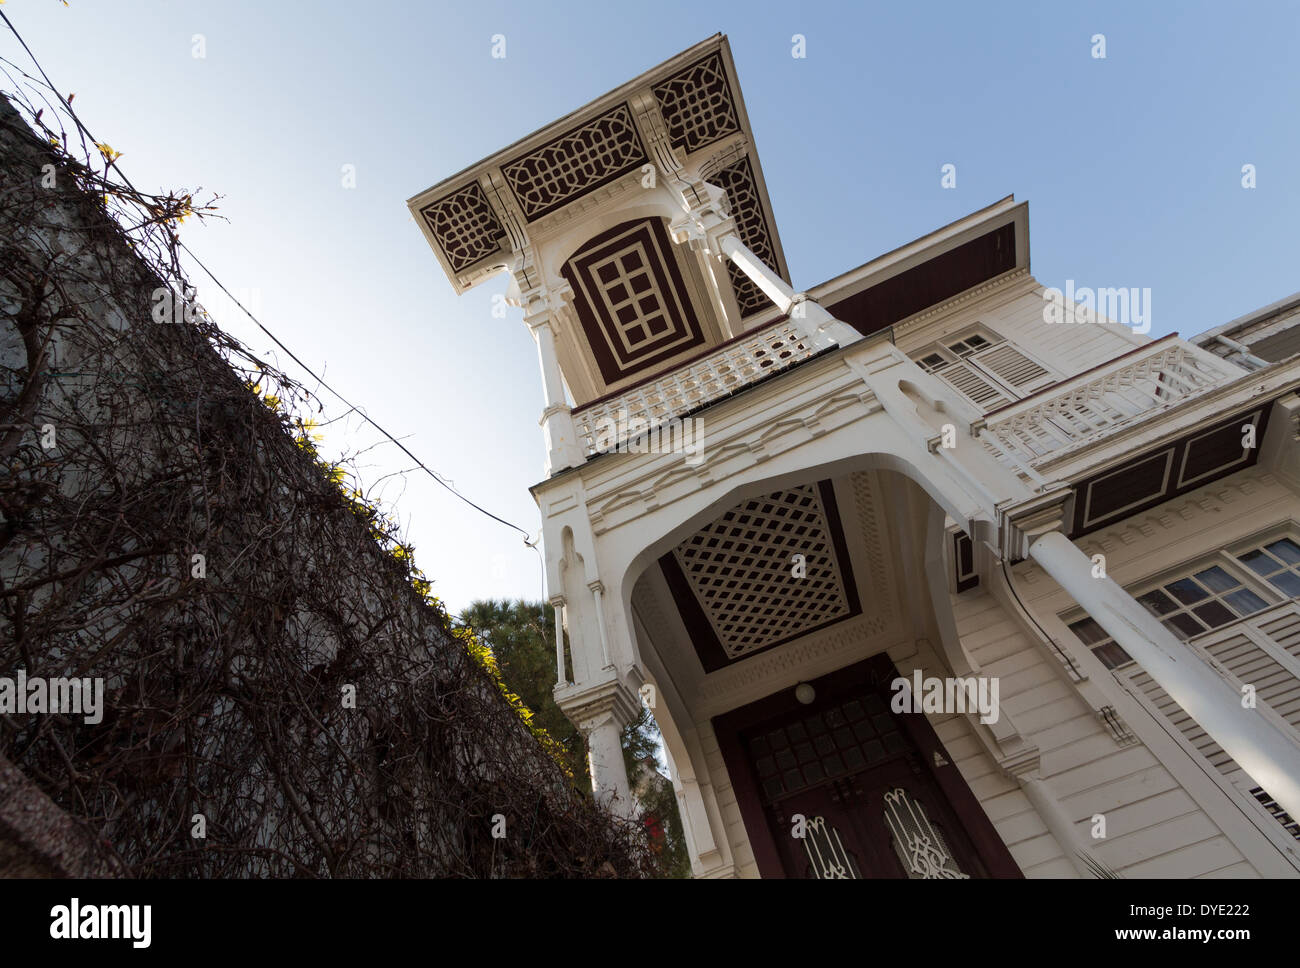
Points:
[(1111, 655), (1186, 591), (1088, 631), (1184, 626), (1288, 583), (1258, 562), (1158, 603), (1287, 550), (1214, 614), (1245, 602), (1216, 579)]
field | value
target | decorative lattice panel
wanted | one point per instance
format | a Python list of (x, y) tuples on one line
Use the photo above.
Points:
[(584, 158), (464, 226), (747, 209), (741, 568), (697, 105)]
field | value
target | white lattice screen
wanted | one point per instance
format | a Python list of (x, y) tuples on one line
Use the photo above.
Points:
[(741, 568)]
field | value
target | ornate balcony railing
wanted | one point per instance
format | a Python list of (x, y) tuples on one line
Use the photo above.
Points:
[(1102, 400), (735, 365)]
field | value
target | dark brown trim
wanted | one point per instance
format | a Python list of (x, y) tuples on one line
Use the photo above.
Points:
[(601, 331), (1173, 458), (931, 282), (963, 555)]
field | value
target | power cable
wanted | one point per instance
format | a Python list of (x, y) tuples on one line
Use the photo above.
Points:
[(112, 163)]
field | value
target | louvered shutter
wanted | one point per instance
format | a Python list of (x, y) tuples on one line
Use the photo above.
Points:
[(1275, 685), (1006, 363), (974, 386)]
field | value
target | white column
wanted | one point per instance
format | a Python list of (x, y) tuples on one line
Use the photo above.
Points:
[(821, 328), (552, 382), (560, 677), (1264, 751), (1053, 814), (608, 772), (562, 446), (598, 590)]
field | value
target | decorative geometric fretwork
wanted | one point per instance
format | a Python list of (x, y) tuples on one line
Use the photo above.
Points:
[(584, 158), (830, 861), (918, 844), (631, 300), (697, 105), (630, 296), (742, 570), (747, 209), (465, 226)]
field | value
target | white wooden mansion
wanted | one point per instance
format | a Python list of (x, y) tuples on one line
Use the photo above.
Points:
[(1081, 543)]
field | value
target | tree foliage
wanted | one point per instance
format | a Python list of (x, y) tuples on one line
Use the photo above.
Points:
[(521, 635)]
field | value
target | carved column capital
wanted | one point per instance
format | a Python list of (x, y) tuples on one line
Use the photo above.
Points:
[(1026, 521)]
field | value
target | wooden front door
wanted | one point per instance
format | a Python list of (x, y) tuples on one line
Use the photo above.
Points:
[(843, 788)]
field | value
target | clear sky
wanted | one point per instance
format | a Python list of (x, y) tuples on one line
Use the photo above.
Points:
[(1131, 165)]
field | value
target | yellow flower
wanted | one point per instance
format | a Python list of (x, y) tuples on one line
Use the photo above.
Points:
[(107, 151)]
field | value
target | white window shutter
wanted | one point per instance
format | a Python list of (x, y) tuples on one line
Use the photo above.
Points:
[(1006, 363), (974, 386)]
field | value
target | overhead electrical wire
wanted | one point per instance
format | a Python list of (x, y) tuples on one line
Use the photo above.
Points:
[(112, 163)]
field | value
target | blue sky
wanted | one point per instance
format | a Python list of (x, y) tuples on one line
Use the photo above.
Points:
[(1131, 165)]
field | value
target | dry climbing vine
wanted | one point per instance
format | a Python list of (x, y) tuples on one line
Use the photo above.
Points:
[(167, 525)]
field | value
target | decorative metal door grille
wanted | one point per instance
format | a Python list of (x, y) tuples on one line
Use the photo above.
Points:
[(830, 861), (920, 846)]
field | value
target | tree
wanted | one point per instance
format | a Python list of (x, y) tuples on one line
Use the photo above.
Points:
[(522, 637)]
